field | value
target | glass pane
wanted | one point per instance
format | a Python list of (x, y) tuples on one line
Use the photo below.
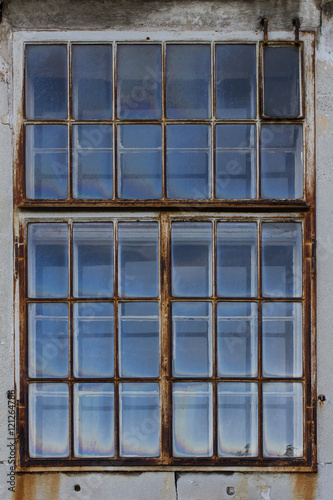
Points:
[(192, 339), (92, 161), (139, 90), (236, 81), (48, 260), (48, 340), (282, 259), (192, 419), (282, 339), (46, 162), (93, 260), (188, 161), (188, 71), (46, 82), (282, 161), (138, 259), (191, 253), (237, 419), (92, 82), (139, 339), (237, 339), (93, 420), (283, 419), (139, 422), (281, 81), (236, 162), (48, 420), (236, 259), (93, 339), (140, 161)]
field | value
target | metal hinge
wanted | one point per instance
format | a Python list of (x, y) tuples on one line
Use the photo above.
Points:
[(313, 255), (18, 254)]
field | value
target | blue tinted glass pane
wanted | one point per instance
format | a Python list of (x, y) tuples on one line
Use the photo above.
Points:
[(46, 82), (139, 90), (188, 73), (236, 161), (236, 81), (92, 161), (188, 161), (92, 82)]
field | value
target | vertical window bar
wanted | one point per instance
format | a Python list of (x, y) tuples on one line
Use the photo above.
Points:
[(258, 160), (115, 161), (115, 82), (71, 422), (259, 320), (116, 335), (70, 160)]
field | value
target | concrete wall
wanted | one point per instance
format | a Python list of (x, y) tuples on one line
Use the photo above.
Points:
[(222, 16)]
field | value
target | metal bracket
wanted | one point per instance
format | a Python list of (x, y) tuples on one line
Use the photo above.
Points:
[(297, 24), (264, 22), (18, 254)]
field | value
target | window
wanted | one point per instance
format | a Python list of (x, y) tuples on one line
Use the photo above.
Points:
[(165, 219)]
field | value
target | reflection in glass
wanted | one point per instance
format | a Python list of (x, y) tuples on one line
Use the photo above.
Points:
[(192, 339), (93, 260), (48, 340), (281, 81), (138, 259), (48, 420), (140, 161), (236, 164), (139, 339), (139, 420), (188, 73), (282, 339), (139, 90), (237, 419), (236, 259), (93, 333), (192, 419), (282, 161), (282, 259), (48, 260), (188, 161), (235, 81), (283, 419), (92, 82), (93, 420), (46, 82), (191, 254), (92, 161), (237, 339), (46, 162)]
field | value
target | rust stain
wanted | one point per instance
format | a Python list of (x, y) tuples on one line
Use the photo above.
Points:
[(37, 487), (305, 486)]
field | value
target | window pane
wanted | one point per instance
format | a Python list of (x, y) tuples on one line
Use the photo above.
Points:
[(139, 91), (188, 161), (236, 162), (48, 420), (236, 81), (191, 253), (192, 419), (93, 260), (48, 260), (188, 72), (46, 82), (237, 419), (237, 339), (93, 339), (46, 163), (48, 340), (92, 82), (140, 161), (236, 259), (139, 339), (281, 81), (192, 339), (282, 161), (138, 259), (139, 420), (93, 420), (282, 259), (283, 419), (92, 161), (282, 339)]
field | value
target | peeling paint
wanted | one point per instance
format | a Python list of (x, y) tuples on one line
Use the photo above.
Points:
[(323, 124)]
